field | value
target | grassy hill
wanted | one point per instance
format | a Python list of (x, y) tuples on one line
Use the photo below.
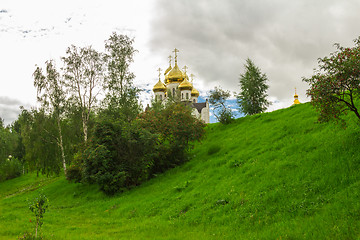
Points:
[(276, 175)]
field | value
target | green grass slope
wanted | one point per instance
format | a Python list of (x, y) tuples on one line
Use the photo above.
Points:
[(276, 175)]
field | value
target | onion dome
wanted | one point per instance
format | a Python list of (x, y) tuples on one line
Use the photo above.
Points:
[(194, 92), (296, 100), (176, 75), (185, 85), (159, 87)]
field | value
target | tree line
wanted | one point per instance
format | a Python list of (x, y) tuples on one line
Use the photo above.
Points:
[(91, 126)]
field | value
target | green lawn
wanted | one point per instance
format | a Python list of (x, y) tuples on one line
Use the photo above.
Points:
[(276, 175)]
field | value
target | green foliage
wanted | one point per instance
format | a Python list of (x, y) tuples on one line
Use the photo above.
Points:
[(38, 206), (176, 130), (123, 154), (41, 150), (119, 155), (75, 170), (8, 142), (253, 87), (10, 168), (51, 94), (218, 99), (335, 86), (121, 94)]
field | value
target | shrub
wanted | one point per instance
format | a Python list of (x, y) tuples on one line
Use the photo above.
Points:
[(39, 206), (176, 129), (226, 116), (10, 168), (119, 156)]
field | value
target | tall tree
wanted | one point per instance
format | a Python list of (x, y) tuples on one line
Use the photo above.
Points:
[(335, 86), (84, 79), (51, 94), (38, 130), (222, 112), (253, 87), (121, 93)]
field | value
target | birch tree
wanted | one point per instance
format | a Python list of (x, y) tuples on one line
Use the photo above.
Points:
[(52, 96), (83, 72)]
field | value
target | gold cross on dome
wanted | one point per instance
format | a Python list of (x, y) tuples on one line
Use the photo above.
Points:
[(159, 70), (185, 68), (192, 77), (170, 58), (175, 51)]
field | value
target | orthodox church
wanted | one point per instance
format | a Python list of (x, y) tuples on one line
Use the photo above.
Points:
[(177, 85)]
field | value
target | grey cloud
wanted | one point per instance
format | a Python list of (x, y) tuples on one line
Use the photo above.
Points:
[(9, 114), (284, 38), (6, 101), (3, 11), (10, 109)]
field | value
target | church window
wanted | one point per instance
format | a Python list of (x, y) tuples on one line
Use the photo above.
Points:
[(160, 97), (187, 95), (182, 95), (173, 92)]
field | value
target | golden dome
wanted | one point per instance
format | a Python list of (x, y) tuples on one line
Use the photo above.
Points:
[(176, 75), (194, 92), (185, 85), (159, 87), (296, 100)]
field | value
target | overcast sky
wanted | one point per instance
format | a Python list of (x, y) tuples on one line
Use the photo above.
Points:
[(283, 38)]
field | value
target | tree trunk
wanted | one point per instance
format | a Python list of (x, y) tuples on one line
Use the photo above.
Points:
[(85, 129), (61, 145)]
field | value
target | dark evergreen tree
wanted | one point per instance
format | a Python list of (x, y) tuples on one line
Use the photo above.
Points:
[(252, 96)]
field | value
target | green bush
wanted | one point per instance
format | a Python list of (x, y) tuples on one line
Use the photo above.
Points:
[(226, 116), (10, 168), (176, 130), (119, 156), (73, 173), (122, 153)]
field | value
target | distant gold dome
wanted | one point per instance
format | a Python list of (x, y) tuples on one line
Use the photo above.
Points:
[(185, 85), (159, 87), (296, 98), (176, 75), (194, 92)]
